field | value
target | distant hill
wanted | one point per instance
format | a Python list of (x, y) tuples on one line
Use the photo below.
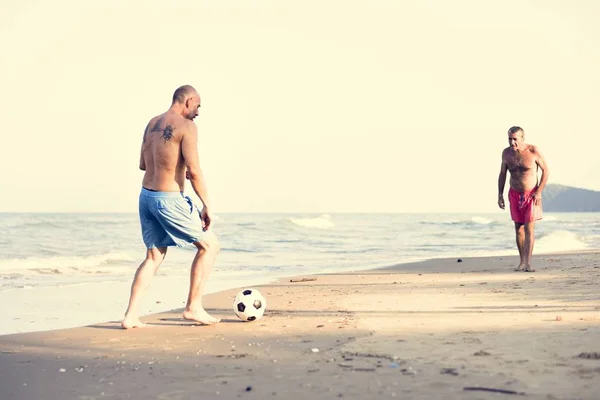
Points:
[(560, 198)]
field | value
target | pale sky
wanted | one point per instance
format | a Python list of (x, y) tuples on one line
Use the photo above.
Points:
[(307, 106)]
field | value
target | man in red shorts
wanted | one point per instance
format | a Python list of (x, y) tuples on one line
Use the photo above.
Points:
[(525, 194)]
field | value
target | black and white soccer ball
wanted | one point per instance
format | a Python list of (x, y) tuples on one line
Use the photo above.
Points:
[(249, 305)]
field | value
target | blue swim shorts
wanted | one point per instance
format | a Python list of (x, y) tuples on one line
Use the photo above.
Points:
[(169, 219)]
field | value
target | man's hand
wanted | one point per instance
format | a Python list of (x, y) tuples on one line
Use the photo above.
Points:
[(537, 198), (501, 201), (206, 219), (187, 175)]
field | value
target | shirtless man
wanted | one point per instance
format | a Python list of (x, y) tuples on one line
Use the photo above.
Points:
[(525, 193), (168, 218)]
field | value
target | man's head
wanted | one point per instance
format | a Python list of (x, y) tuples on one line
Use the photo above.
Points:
[(516, 135), (186, 101)]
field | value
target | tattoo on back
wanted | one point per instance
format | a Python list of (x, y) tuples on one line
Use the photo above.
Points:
[(167, 131)]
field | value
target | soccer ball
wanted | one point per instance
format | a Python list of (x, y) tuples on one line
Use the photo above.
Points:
[(249, 305)]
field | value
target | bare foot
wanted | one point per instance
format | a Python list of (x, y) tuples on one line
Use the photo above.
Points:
[(130, 322), (521, 267), (529, 268), (200, 316)]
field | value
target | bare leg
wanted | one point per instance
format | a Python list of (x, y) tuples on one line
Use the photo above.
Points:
[(201, 268), (528, 248), (141, 282), (520, 233)]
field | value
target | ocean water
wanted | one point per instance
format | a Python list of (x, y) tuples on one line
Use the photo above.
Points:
[(62, 270)]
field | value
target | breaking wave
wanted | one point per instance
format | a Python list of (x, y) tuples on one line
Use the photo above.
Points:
[(321, 222), (63, 264), (560, 241)]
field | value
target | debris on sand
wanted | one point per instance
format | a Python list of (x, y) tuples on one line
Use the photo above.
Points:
[(590, 356), (303, 279), (484, 389), (449, 371)]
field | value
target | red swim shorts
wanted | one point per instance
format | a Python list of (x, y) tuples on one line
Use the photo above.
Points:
[(522, 209)]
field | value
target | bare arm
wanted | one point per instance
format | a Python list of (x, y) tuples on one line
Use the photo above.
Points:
[(502, 182), (541, 162), (142, 162), (189, 148), (502, 176)]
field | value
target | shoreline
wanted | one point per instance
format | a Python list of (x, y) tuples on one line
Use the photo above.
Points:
[(417, 330), (161, 294)]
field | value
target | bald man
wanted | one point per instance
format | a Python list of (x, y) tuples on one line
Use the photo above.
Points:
[(523, 160), (168, 218)]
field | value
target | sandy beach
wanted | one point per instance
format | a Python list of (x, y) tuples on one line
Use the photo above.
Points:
[(438, 329)]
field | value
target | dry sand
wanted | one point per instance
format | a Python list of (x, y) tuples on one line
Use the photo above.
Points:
[(417, 331)]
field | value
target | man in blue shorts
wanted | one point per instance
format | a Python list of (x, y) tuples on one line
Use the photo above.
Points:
[(170, 155)]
